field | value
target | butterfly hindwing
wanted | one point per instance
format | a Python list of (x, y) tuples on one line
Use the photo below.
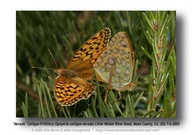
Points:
[(68, 90), (118, 60)]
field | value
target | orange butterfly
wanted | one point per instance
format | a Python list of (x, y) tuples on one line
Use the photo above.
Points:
[(71, 85)]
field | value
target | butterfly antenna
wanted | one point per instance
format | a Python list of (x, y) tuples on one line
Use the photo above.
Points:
[(41, 68), (140, 74), (52, 57)]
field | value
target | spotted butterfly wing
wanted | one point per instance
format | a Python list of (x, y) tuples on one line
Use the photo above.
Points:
[(117, 61)]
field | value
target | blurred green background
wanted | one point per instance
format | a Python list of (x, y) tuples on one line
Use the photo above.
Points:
[(153, 37)]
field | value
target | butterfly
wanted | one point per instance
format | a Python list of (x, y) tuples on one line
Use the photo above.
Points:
[(71, 85), (115, 65)]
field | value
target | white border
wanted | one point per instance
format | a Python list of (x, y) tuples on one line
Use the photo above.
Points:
[(8, 49)]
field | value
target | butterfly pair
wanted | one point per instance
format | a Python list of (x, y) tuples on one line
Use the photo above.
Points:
[(113, 62)]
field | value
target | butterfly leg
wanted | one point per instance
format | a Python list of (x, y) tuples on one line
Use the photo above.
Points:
[(106, 94), (108, 85), (119, 95)]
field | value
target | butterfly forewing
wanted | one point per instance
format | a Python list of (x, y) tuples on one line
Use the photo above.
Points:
[(84, 58)]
